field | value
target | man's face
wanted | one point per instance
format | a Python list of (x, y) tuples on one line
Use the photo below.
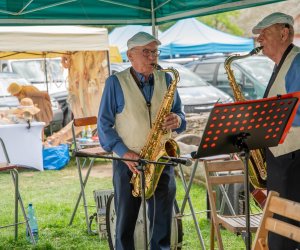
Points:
[(272, 38), (142, 57)]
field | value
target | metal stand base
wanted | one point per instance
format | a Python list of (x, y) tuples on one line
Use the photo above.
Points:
[(82, 192), (141, 168), (187, 198), (241, 142)]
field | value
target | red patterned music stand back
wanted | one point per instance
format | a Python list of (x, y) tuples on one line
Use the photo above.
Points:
[(265, 121)]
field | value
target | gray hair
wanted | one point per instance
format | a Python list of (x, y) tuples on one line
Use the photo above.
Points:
[(290, 28)]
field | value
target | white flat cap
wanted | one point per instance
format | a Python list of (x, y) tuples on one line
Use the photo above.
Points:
[(141, 39), (271, 19)]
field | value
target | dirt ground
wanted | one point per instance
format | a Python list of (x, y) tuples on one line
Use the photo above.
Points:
[(102, 170)]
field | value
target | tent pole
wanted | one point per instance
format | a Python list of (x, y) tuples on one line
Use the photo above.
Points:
[(154, 28), (46, 73)]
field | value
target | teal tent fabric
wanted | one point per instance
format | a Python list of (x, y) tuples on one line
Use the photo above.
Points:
[(189, 37), (95, 12)]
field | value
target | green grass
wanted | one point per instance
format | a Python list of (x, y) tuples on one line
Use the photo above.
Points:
[(54, 193)]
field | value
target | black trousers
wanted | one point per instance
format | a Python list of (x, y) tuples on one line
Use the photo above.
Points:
[(127, 208), (284, 177)]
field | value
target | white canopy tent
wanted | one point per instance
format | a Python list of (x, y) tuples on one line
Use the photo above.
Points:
[(86, 50), (29, 42), (50, 41)]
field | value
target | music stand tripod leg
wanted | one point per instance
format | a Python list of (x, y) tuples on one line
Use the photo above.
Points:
[(243, 146), (141, 168), (188, 188), (187, 198), (82, 193), (247, 200)]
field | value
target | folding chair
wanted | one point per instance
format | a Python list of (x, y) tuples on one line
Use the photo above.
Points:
[(7, 166), (284, 207), (221, 173), (89, 151)]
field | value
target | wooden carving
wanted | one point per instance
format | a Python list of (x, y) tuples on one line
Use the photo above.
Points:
[(88, 71)]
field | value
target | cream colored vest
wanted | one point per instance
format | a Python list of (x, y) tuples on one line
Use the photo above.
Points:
[(132, 124), (290, 143)]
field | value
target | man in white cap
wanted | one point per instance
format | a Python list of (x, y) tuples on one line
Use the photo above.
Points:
[(130, 102), (275, 34)]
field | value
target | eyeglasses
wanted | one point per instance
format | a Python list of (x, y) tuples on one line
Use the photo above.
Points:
[(147, 52), (154, 53)]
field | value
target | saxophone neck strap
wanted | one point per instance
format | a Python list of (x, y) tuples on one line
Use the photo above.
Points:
[(137, 81), (276, 70)]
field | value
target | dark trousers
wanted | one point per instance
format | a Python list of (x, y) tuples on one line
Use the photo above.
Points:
[(284, 177), (160, 208)]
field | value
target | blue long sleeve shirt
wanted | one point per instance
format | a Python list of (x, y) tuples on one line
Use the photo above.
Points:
[(113, 102), (292, 83)]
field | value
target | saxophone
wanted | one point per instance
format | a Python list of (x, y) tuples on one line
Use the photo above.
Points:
[(157, 145), (257, 164)]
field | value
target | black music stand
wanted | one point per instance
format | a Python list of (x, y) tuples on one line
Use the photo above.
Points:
[(173, 161), (245, 126)]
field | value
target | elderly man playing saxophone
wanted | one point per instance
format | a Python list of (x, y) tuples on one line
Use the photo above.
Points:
[(130, 102), (275, 34)]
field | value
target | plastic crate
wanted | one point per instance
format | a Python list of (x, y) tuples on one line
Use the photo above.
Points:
[(101, 198)]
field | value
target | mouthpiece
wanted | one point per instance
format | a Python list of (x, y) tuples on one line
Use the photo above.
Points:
[(156, 66), (256, 50)]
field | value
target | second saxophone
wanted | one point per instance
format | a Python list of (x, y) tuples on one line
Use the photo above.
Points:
[(257, 164)]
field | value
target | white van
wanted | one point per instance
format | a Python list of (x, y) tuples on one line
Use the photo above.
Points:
[(45, 74)]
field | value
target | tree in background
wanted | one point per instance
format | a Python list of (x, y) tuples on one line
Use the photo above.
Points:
[(111, 27), (224, 22)]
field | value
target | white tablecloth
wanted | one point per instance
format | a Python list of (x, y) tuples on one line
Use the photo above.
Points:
[(23, 145)]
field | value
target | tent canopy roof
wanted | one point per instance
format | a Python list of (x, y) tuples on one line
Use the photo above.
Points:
[(50, 41), (147, 12), (178, 41)]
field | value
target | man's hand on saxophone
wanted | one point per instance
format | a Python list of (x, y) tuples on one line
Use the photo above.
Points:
[(132, 164), (172, 121)]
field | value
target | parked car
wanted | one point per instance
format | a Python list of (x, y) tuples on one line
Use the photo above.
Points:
[(251, 73), (196, 95), (8, 101), (45, 74)]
